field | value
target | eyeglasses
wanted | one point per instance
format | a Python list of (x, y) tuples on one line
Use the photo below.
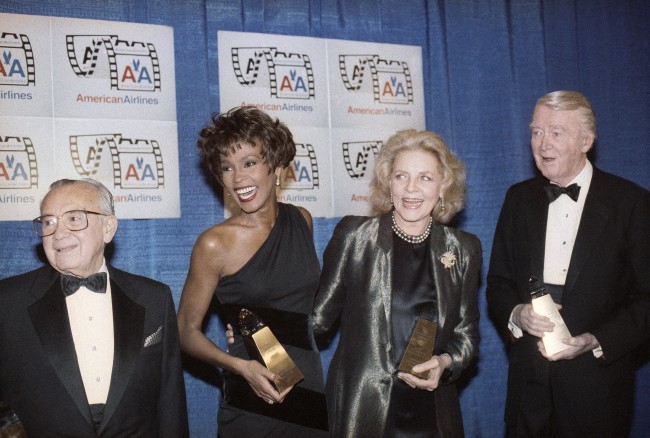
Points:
[(74, 220)]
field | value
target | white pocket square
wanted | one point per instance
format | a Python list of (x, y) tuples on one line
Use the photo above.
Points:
[(153, 338)]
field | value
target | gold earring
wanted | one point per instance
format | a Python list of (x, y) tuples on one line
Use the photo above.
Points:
[(442, 205)]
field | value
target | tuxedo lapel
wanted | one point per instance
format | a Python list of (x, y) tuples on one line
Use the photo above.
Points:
[(128, 326), (49, 316), (536, 213)]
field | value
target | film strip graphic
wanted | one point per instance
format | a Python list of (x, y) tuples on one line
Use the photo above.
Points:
[(89, 47), (357, 155), (136, 163), (131, 65), (302, 173), (17, 65), (18, 167), (391, 79), (291, 75), (86, 152)]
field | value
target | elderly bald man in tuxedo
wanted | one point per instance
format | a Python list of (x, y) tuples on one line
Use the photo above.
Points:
[(88, 350)]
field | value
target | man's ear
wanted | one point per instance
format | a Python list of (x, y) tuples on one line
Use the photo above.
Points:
[(587, 142), (110, 228)]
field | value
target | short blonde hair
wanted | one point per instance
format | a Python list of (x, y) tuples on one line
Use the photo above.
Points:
[(451, 168)]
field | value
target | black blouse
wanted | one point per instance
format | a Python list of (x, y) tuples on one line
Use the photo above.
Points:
[(412, 412)]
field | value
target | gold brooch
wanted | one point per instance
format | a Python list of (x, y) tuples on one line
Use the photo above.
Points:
[(448, 259)]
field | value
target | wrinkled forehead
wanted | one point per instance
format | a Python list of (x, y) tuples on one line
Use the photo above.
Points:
[(418, 161), (76, 196), (545, 116)]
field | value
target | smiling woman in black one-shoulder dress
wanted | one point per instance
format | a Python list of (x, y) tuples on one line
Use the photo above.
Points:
[(261, 258)]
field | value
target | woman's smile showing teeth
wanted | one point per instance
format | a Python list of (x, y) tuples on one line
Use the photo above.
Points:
[(411, 203), (246, 194)]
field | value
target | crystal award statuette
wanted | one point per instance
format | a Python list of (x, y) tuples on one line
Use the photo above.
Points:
[(544, 305), (420, 347), (263, 346)]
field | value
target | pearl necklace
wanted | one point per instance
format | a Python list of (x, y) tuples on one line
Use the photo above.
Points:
[(407, 237)]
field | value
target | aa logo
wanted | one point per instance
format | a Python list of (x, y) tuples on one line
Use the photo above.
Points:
[(18, 168), (302, 173), (136, 163), (359, 158), (129, 65), (17, 60), (390, 80), (286, 75)]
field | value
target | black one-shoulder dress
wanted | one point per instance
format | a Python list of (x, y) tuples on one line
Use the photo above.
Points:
[(278, 284)]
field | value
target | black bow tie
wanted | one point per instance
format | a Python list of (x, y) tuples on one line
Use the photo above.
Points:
[(95, 283), (553, 191)]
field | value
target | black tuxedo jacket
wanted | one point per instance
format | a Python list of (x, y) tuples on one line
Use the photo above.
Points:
[(607, 290), (39, 373)]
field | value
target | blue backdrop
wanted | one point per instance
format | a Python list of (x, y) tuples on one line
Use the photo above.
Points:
[(485, 64)]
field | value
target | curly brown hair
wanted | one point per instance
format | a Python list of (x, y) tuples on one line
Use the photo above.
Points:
[(245, 125), (450, 167)]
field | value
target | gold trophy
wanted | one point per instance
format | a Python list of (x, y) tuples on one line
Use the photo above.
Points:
[(420, 347), (263, 346)]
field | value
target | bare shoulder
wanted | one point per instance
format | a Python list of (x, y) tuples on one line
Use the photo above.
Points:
[(213, 245), (226, 247), (213, 240)]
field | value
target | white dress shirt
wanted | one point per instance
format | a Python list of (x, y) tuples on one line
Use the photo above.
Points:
[(562, 228), (91, 322)]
